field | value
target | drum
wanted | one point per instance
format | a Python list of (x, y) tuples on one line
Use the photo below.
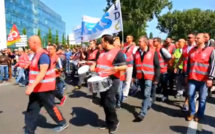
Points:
[(84, 70), (99, 84)]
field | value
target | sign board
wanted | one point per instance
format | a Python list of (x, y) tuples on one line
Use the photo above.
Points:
[(3, 36), (23, 42)]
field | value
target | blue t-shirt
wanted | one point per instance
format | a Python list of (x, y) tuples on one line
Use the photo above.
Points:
[(44, 59), (68, 55)]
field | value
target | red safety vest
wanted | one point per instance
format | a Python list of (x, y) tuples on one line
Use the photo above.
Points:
[(122, 76), (54, 59), (145, 67), (185, 55), (105, 62), (92, 55), (23, 60), (48, 82), (199, 63), (170, 48), (163, 63), (128, 50)]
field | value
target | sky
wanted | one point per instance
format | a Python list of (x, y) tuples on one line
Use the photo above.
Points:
[(73, 10)]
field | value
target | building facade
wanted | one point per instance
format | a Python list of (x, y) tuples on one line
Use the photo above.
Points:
[(33, 15)]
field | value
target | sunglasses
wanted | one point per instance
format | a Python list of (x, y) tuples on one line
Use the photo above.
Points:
[(189, 37)]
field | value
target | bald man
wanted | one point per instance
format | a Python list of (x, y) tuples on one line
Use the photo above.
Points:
[(179, 72), (200, 73), (40, 89)]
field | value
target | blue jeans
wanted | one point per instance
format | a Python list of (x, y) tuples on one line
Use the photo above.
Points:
[(67, 66), (4, 72), (146, 87), (162, 85), (200, 86), (21, 76), (120, 94)]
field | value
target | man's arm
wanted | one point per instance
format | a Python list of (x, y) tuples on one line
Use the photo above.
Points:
[(211, 73), (156, 67)]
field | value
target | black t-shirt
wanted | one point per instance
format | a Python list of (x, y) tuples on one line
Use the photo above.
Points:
[(119, 60)]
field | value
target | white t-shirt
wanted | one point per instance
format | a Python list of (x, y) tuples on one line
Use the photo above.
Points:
[(135, 49)]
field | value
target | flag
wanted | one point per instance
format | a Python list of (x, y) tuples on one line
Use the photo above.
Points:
[(77, 33), (88, 23), (110, 23), (13, 36)]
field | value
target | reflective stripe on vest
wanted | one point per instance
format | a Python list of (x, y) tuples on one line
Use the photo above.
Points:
[(43, 81), (199, 64), (37, 72), (198, 72)]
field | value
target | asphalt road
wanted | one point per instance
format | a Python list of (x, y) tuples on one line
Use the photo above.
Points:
[(84, 116)]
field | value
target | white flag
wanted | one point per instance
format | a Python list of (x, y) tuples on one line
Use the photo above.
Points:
[(110, 23)]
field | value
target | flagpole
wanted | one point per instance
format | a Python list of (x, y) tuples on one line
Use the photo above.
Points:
[(121, 24)]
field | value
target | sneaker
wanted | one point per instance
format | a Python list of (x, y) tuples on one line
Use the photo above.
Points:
[(21, 85), (118, 107), (124, 98), (113, 129), (61, 127), (63, 100), (178, 95), (185, 108), (164, 98), (104, 126)]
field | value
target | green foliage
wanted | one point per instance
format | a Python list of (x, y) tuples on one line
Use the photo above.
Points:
[(151, 35), (39, 33), (24, 31), (50, 36), (63, 41), (56, 38), (136, 14), (67, 40), (179, 24)]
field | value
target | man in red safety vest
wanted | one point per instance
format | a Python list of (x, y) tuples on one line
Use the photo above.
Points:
[(147, 71), (128, 50), (40, 89), (109, 64), (23, 63), (91, 57), (184, 58), (200, 73), (164, 57)]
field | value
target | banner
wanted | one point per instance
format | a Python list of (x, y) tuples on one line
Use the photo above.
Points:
[(3, 35), (88, 23), (77, 33), (110, 23), (23, 41), (13, 36)]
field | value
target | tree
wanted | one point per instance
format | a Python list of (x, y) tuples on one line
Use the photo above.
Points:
[(56, 38), (50, 36), (24, 31), (67, 40), (178, 24), (63, 41), (39, 33), (136, 14), (151, 35)]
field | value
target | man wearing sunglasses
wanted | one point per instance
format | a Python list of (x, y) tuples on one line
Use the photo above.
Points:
[(184, 58)]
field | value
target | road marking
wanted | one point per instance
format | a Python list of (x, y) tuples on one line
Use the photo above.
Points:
[(192, 127), (4, 84)]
